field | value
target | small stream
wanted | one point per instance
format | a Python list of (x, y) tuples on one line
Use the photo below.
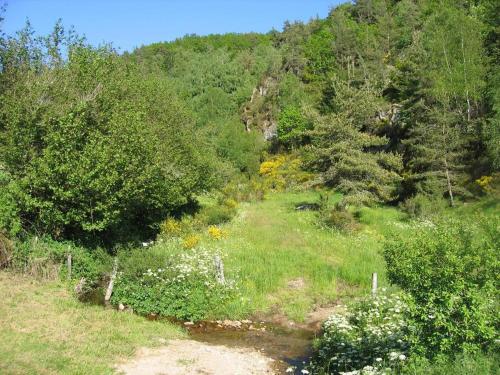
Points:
[(287, 346)]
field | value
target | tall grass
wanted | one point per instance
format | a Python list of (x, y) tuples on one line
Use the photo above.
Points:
[(270, 244)]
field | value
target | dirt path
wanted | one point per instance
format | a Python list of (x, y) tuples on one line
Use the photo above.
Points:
[(188, 357)]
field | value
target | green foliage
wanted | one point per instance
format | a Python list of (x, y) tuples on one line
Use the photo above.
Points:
[(450, 271), (106, 150), (292, 127), (471, 364), (421, 206), (285, 171), (180, 285), (242, 189), (241, 148), (349, 154), (338, 217), (9, 211), (217, 214), (45, 258), (370, 337)]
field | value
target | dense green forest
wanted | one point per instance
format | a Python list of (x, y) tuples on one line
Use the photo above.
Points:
[(385, 109)]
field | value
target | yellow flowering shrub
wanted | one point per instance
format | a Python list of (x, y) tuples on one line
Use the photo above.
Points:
[(283, 171), (171, 227), (485, 182), (190, 241), (270, 167), (216, 232), (230, 203)]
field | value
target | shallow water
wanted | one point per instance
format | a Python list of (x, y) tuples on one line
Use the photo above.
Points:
[(289, 347)]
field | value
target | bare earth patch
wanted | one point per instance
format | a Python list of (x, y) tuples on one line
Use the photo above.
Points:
[(188, 357)]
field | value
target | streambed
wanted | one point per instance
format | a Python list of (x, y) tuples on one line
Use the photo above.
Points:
[(289, 347)]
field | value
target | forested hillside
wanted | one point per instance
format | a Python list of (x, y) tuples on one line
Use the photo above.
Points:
[(305, 158), (386, 100)]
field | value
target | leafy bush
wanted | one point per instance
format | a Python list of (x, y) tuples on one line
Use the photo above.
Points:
[(422, 205), (471, 364), (282, 172), (190, 241), (181, 285), (450, 271), (46, 258), (245, 190), (9, 210), (292, 127), (216, 233), (366, 339), (96, 148), (216, 215), (338, 217)]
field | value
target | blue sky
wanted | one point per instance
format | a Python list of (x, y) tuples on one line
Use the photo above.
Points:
[(131, 23)]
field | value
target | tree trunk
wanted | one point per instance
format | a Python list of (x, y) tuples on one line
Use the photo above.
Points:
[(448, 181)]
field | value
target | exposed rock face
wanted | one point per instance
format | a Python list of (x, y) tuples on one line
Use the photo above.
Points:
[(270, 130), (258, 111)]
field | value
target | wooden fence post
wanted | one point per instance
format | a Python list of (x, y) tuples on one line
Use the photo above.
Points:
[(109, 291), (374, 283), (219, 270), (69, 261)]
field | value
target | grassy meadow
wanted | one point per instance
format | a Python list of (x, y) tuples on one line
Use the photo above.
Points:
[(45, 330), (288, 264)]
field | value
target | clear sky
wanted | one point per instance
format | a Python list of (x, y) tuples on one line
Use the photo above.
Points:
[(132, 23)]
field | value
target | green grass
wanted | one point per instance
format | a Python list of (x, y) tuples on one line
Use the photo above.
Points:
[(45, 330), (473, 364), (270, 243)]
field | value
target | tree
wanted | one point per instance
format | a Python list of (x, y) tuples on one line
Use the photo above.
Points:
[(96, 149), (347, 152), (292, 127)]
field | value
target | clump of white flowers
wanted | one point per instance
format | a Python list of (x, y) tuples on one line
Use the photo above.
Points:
[(369, 338), (186, 285), (193, 264)]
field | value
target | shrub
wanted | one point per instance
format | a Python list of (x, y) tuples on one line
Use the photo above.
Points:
[(421, 206), (5, 250), (292, 127), (191, 241), (244, 190), (367, 338), (215, 215), (450, 271), (181, 285), (9, 210), (282, 172), (45, 258), (338, 218), (475, 364), (216, 232), (180, 228), (171, 227)]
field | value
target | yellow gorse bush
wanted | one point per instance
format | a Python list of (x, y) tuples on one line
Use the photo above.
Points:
[(171, 227), (283, 171), (231, 203), (271, 167), (216, 232), (190, 241), (485, 182)]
